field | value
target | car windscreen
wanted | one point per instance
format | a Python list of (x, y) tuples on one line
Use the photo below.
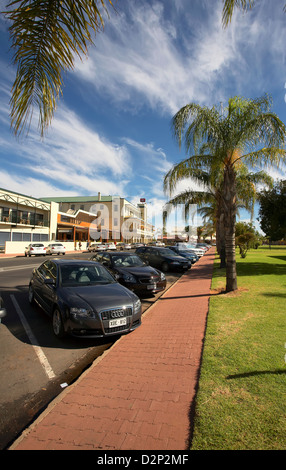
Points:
[(167, 252), (74, 275), (125, 261)]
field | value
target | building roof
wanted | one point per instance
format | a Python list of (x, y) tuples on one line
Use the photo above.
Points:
[(79, 199)]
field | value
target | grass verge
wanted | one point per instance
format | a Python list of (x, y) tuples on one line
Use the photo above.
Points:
[(241, 401)]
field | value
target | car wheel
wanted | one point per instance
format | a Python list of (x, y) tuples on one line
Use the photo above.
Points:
[(58, 327), (31, 294), (165, 267)]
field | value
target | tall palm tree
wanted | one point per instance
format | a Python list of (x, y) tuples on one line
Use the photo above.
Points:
[(209, 201), (245, 131), (46, 36), (229, 6)]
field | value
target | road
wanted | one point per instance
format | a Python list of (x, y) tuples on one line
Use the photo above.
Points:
[(35, 365)]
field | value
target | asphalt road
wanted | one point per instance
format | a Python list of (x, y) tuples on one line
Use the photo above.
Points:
[(35, 365)]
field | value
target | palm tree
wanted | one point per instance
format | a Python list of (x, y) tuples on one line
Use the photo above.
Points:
[(209, 201), (218, 142), (46, 35), (229, 6)]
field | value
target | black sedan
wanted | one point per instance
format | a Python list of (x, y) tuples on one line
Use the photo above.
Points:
[(163, 258), (132, 272), (186, 254), (84, 299)]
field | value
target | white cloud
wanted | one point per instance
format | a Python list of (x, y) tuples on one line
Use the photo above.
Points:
[(142, 58), (73, 156)]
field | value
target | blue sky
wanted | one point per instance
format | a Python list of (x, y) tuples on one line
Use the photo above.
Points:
[(111, 131)]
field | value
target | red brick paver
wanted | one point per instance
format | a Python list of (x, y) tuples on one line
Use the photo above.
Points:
[(138, 395)]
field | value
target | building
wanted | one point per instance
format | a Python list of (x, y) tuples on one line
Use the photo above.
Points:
[(101, 218), (24, 219)]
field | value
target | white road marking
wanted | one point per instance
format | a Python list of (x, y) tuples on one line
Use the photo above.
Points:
[(15, 268), (38, 350)]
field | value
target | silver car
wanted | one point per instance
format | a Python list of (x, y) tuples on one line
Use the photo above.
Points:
[(56, 248), (96, 247), (36, 249)]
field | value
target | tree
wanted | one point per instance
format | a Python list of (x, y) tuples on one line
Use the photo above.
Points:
[(229, 6), (272, 212), (219, 141), (209, 201), (46, 35), (246, 237)]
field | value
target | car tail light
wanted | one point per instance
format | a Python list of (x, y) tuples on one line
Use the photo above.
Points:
[(32, 248), (45, 248)]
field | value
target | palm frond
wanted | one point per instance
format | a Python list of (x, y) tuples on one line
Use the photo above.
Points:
[(195, 167), (46, 36), (229, 6)]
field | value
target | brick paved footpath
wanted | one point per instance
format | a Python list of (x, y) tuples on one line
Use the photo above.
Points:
[(139, 394)]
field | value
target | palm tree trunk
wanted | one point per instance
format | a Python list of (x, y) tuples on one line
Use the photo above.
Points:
[(229, 197)]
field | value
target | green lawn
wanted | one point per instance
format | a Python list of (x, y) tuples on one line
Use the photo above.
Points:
[(241, 401)]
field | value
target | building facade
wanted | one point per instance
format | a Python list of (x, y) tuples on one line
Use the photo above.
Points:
[(101, 219), (24, 219)]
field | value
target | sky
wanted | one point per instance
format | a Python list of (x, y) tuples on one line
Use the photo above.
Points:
[(111, 132)]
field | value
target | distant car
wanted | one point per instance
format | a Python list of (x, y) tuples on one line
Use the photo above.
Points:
[(202, 246), (2, 309), (189, 247), (36, 249), (96, 247), (163, 258), (110, 246), (187, 254), (84, 299), (132, 272), (136, 245), (123, 246), (55, 248)]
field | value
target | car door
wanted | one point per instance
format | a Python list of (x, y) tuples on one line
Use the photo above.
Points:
[(151, 257), (45, 285)]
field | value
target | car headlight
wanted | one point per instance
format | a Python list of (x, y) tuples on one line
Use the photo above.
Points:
[(163, 277), (80, 312), (129, 278), (137, 306)]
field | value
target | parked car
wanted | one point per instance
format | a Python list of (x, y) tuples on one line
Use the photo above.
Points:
[(187, 254), (189, 247), (55, 248), (36, 249), (2, 309), (123, 246), (96, 247), (136, 245), (132, 272), (84, 299), (163, 258), (110, 246), (203, 246)]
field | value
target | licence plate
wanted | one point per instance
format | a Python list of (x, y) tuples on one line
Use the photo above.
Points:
[(117, 322), (152, 286)]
